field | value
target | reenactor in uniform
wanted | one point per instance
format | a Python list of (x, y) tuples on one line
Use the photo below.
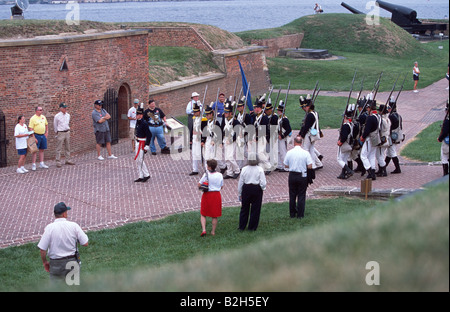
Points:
[(143, 136), (197, 141), (261, 123), (243, 120), (396, 136), (385, 132), (213, 134), (284, 131), (310, 131), (444, 138), (358, 127), (272, 135), (345, 144), (371, 138), (229, 141)]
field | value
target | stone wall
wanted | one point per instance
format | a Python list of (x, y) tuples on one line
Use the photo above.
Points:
[(276, 44)]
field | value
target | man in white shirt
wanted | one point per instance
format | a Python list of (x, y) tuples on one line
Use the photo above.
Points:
[(62, 130), (298, 161), (59, 241), (132, 118), (190, 110)]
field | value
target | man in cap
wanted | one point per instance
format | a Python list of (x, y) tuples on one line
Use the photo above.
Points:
[(212, 134), (143, 138), (310, 130), (189, 109), (243, 120), (62, 129), (284, 131), (345, 144), (100, 119), (229, 141), (385, 133), (272, 135), (132, 118), (197, 141), (59, 242), (370, 138)]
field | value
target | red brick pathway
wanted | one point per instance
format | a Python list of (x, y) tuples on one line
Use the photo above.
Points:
[(103, 195)]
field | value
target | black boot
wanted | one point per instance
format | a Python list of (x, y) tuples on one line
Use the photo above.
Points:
[(350, 164), (342, 175), (382, 172), (445, 167), (348, 172), (371, 174), (387, 160), (397, 166), (360, 166)]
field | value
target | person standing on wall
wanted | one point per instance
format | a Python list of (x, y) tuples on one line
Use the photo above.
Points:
[(62, 129), (100, 119), (39, 124)]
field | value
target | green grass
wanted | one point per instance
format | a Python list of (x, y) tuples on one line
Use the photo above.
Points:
[(170, 240), (408, 239), (426, 140)]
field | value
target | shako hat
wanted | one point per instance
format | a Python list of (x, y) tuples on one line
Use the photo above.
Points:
[(195, 107), (209, 110), (228, 107), (281, 106)]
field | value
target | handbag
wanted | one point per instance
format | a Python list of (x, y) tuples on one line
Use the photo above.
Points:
[(31, 145), (204, 187)]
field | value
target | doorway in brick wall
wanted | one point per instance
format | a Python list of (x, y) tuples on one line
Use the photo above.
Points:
[(124, 104), (110, 100), (3, 140)]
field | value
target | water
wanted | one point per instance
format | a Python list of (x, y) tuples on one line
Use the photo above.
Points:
[(231, 15)]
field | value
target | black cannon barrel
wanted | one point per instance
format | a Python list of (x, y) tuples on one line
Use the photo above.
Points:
[(408, 13), (351, 9)]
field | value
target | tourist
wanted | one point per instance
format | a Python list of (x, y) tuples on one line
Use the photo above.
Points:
[(299, 162), (211, 204), (62, 130), (100, 118), (156, 119), (39, 124), (416, 73), (59, 242), (190, 113), (21, 134), (132, 118), (252, 184), (318, 9)]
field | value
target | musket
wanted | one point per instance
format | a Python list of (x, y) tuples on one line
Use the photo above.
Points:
[(285, 99), (375, 89), (235, 89), (359, 94), (394, 107), (268, 99), (203, 103), (349, 97), (276, 101), (217, 106), (236, 104), (315, 89), (313, 100), (390, 94)]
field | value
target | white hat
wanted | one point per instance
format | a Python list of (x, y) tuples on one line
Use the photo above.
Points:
[(195, 94)]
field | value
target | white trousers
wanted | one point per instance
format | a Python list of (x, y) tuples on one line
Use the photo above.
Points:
[(282, 151), (309, 146), (368, 155), (196, 153), (232, 165), (444, 153), (142, 167)]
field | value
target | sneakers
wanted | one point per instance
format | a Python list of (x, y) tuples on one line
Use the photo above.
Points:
[(43, 166), (20, 170), (33, 167), (109, 157), (100, 157)]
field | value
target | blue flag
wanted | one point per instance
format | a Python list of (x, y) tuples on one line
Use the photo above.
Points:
[(245, 87)]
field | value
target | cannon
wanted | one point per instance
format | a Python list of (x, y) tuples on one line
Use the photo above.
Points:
[(404, 17)]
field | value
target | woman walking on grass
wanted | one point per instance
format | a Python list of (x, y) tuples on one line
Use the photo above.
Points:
[(211, 205)]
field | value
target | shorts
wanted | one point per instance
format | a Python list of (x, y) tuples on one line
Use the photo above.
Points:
[(103, 137), (41, 141), (416, 77), (22, 151)]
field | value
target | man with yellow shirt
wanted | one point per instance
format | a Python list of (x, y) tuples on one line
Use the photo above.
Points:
[(39, 124)]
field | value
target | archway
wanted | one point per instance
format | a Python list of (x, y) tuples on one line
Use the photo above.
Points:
[(3, 141), (124, 104)]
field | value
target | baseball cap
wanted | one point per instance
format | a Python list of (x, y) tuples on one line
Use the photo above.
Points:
[(60, 208), (62, 105)]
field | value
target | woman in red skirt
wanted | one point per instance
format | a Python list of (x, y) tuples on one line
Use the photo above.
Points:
[(211, 205)]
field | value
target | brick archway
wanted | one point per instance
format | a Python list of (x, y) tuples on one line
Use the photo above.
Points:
[(124, 104)]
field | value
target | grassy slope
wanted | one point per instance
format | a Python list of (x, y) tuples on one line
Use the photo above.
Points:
[(369, 49), (426, 140), (408, 239)]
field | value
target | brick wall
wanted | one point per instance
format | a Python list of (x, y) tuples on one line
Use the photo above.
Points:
[(180, 36), (31, 76), (275, 44)]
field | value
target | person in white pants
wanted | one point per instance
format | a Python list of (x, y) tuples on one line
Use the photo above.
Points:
[(197, 142), (310, 131), (284, 131), (229, 142), (143, 137)]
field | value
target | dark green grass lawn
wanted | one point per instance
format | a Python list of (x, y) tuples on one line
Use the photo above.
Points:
[(170, 240)]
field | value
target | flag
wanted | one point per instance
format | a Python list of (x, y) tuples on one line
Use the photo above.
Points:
[(245, 87)]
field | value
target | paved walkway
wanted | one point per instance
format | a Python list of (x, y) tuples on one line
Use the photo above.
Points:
[(102, 193)]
